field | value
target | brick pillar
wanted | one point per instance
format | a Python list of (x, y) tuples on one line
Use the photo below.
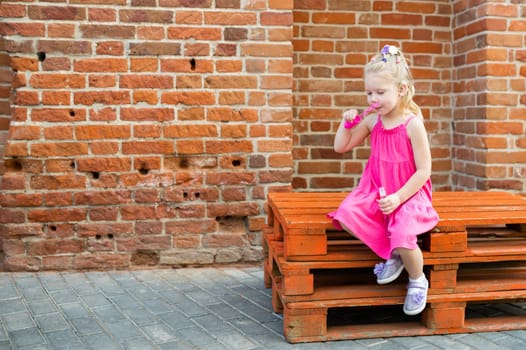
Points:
[(489, 148)]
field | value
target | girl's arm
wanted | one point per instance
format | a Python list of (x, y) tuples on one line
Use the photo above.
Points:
[(346, 139), (422, 154)]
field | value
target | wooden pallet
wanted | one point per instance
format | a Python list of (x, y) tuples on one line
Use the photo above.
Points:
[(312, 319), (441, 267), (476, 254), (300, 219)]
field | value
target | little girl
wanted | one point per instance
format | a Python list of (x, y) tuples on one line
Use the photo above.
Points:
[(392, 203)]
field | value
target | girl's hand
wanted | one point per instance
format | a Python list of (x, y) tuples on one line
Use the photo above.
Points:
[(349, 114), (389, 203)]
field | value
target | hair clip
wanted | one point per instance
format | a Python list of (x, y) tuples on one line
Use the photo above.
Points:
[(389, 51)]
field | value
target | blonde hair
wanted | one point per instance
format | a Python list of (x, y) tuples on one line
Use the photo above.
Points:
[(391, 62)]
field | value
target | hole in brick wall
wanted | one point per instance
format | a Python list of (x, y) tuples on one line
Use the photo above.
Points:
[(13, 165), (72, 165), (95, 174), (184, 163), (72, 113), (53, 228), (41, 56), (192, 64), (144, 171), (145, 257), (191, 195), (110, 236), (98, 236), (231, 224), (236, 162)]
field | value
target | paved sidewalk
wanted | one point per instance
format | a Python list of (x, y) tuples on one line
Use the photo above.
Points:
[(206, 308)]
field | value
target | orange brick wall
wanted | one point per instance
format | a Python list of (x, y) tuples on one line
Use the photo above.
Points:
[(144, 132), (149, 132), (333, 40), (468, 62)]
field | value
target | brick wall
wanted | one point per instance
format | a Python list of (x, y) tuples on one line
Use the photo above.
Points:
[(144, 132), (489, 147), (149, 132), (333, 40)]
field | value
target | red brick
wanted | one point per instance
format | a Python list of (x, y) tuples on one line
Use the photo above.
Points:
[(149, 114), (148, 147), (55, 246), (56, 81), (57, 263), (57, 182), (58, 115), (94, 132), (61, 30), (56, 98), (20, 200), (59, 149), (57, 215), (101, 261)]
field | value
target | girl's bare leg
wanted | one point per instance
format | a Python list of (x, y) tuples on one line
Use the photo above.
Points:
[(413, 261)]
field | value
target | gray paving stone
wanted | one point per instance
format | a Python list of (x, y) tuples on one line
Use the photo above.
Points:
[(160, 333), (65, 339), (123, 329), (3, 333), (140, 316), (97, 299), (63, 296), (37, 347), (177, 344), (19, 320), (42, 307), (86, 326), (74, 310), (34, 293), (201, 297), (10, 306), (26, 337), (225, 311), (191, 308), (197, 337), (145, 344), (235, 340), (85, 289), (157, 306), (52, 322), (8, 291), (211, 322), (101, 341), (125, 301), (26, 281), (108, 313), (53, 282), (176, 320)]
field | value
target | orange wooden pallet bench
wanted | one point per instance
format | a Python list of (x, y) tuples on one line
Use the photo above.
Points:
[(475, 254)]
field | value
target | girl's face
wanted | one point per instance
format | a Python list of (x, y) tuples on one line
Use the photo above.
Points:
[(383, 91)]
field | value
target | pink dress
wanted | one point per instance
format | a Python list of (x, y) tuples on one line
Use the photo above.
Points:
[(391, 164)]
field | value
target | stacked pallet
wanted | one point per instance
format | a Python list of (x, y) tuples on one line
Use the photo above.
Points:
[(322, 279)]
